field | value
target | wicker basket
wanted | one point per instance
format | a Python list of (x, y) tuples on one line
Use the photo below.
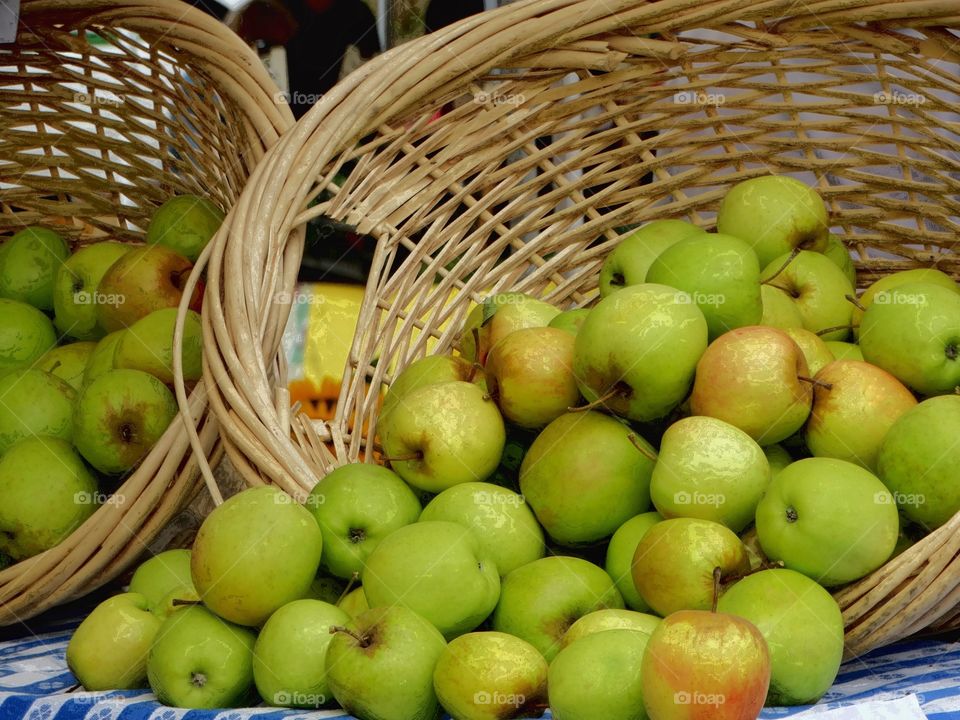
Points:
[(107, 109), (571, 119)]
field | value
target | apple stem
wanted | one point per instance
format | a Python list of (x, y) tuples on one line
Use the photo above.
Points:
[(599, 402), (825, 331), (814, 381), (490, 396), (350, 583), (793, 254), (856, 303), (474, 369), (764, 565), (403, 458), (717, 576), (54, 366), (362, 640), (476, 342), (643, 451), (178, 602)]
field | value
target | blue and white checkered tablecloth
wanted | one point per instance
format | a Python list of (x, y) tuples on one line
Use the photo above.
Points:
[(35, 684)]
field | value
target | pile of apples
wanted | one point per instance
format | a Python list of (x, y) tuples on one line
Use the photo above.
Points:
[(633, 510), (86, 367)]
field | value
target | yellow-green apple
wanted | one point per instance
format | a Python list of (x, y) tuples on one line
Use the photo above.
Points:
[(854, 405), (254, 554), (885, 285), (289, 659), (491, 676), (142, 280), (381, 665), (817, 287), (185, 223), (442, 435), (199, 660), (751, 378), (354, 602), (498, 316), (109, 650), (620, 551), (75, 294), (68, 362), (356, 506), (918, 461), (530, 373), (119, 417), (609, 619), (25, 335), (101, 359), (637, 351), (840, 256), (913, 332), (802, 625), (541, 600), (777, 457), (29, 262), (147, 345), (628, 263), (500, 518), (570, 320), (163, 576), (719, 274), (701, 664), (675, 564), (779, 310), (585, 475), (829, 519), (430, 370), (34, 403), (844, 350), (775, 214), (598, 677), (46, 492), (815, 350)]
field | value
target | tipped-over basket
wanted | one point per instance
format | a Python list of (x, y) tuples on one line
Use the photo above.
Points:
[(565, 121), (107, 109)]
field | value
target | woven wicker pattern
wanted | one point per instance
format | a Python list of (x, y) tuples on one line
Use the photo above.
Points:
[(572, 119), (93, 137)]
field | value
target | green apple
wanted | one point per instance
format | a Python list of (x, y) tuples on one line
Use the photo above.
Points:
[(854, 406), (541, 600), (109, 650), (68, 362), (354, 602), (119, 417), (289, 659), (254, 554), (147, 345), (913, 332), (818, 288), (46, 492), (159, 576), (610, 619), (750, 378), (75, 289), (777, 457), (885, 285), (102, 357), (628, 263), (356, 506), (802, 625), (719, 273), (29, 262), (918, 459), (585, 475), (530, 373), (814, 349), (570, 320), (439, 570), (840, 256), (829, 519), (381, 665), (701, 665), (775, 214), (34, 403), (201, 661), (711, 470), (638, 349), (620, 551), (498, 316), (443, 435), (503, 523), (430, 370), (491, 676), (779, 310), (185, 223), (25, 335), (675, 563), (142, 280), (844, 350)]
